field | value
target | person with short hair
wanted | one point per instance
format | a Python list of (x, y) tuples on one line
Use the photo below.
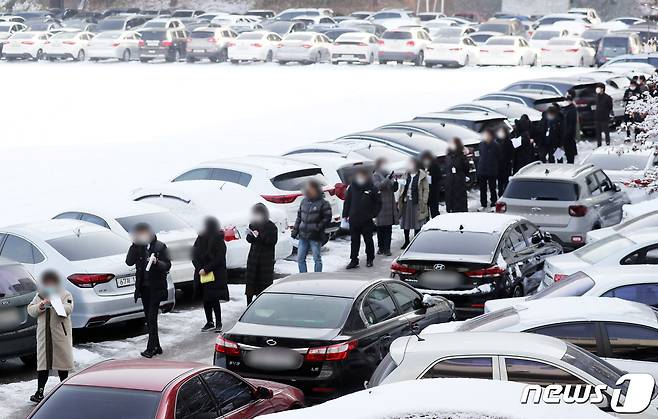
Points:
[(313, 217), (263, 236), (602, 115), (362, 204), (457, 169), (487, 170), (570, 129)]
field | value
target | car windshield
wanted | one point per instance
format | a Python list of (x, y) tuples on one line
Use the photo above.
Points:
[(500, 41), (108, 35), (492, 321), (447, 41), (450, 32), (600, 250), (89, 246), (593, 34), (110, 25), (276, 27), (396, 35), (624, 162), (481, 37), (65, 35), (299, 37), (154, 35), (155, 24), (541, 190), (575, 285), (594, 366), (297, 180), (15, 281), (99, 403), (23, 35), (159, 222), (455, 243), (37, 26), (552, 20), (563, 42), (250, 36), (202, 34), (545, 35), (298, 310)]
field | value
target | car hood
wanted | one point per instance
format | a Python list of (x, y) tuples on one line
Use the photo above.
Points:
[(306, 333), (493, 305)]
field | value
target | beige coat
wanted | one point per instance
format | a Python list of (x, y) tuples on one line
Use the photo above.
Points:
[(54, 335), (423, 197)]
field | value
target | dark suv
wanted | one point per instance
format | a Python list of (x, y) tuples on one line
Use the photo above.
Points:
[(163, 44)]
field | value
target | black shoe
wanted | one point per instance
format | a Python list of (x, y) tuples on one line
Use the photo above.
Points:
[(218, 329), (353, 264), (157, 351), (404, 246), (209, 326), (380, 252), (369, 264), (148, 353), (37, 397), (388, 253)]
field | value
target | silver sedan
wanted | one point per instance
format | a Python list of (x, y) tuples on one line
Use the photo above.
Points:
[(303, 47), (120, 45)]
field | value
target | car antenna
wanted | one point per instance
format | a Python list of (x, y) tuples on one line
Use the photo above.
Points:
[(410, 134), (417, 335)]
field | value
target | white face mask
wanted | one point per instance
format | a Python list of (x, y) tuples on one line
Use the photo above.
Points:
[(452, 147), (141, 239), (599, 90), (361, 180), (501, 134), (427, 162), (257, 218)]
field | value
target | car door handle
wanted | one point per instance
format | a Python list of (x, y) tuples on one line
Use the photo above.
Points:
[(611, 199), (386, 338)]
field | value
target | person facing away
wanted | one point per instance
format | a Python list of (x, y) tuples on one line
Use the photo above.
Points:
[(412, 203), (313, 217), (506, 157), (524, 154), (387, 217), (361, 206), (551, 139), (54, 331), (457, 170), (430, 164), (487, 170), (150, 258), (262, 236), (210, 275), (602, 115), (570, 129)]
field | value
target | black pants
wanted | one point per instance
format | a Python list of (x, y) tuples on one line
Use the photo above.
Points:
[(571, 157), (384, 238), (151, 310), (42, 378), (355, 235), (433, 206), (490, 182), (213, 306), (546, 154), (503, 181), (407, 235), (600, 128)]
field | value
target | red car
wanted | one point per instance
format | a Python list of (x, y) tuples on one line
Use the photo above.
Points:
[(164, 390)]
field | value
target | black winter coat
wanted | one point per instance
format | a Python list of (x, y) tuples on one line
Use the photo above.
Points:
[(570, 129), (209, 254), (362, 204), (434, 171), (260, 262), (457, 169), (313, 217), (525, 153), (506, 156), (551, 133), (489, 159), (603, 107), (154, 281)]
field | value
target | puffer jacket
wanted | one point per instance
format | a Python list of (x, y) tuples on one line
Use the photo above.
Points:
[(313, 217)]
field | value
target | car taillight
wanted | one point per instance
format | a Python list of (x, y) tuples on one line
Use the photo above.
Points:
[(577, 239), (28, 42), (573, 50), (256, 45), (545, 50), (509, 50), (231, 233), (225, 346), (212, 40), (281, 199), (141, 43), (340, 189), (454, 49), (559, 277), (399, 268), (230, 44), (501, 207), (490, 272), (89, 280), (166, 43), (307, 46), (577, 210), (69, 42), (380, 42), (279, 45), (331, 191), (116, 44), (336, 352), (410, 43)]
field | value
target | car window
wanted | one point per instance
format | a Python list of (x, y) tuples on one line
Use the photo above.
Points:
[(15, 281), (536, 372), (71, 215), (90, 218), (296, 180), (582, 334), (20, 250), (528, 230), (592, 185), (517, 240), (407, 299), (230, 392), (378, 306), (628, 341), (604, 182), (194, 402), (195, 174), (541, 190), (475, 367), (641, 293), (89, 246), (645, 256), (232, 176)]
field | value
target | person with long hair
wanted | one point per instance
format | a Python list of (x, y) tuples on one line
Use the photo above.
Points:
[(262, 236), (412, 203)]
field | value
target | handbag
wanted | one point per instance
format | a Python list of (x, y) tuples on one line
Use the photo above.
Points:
[(209, 277)]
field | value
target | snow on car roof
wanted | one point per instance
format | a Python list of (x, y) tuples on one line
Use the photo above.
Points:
[(553, 171), (49, 229), (273, 165), (618, 150), (623, 275), (117, 208), (480, 222), (462, 115)]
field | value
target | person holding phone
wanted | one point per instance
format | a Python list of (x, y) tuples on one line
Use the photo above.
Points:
[(262, 236)]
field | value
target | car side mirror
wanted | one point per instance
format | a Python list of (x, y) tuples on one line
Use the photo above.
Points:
[(264, 393), (428, 301), (537, 238), (616, 188)]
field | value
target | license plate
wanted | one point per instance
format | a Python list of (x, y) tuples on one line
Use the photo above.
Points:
[(151, 51), (9, 318), (199, 50), (152, 43), (273, 359), (349, 57), (126, 281)]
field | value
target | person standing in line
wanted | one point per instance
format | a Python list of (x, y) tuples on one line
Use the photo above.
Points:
[(506, 156), (457, 167), (570, 129), (388, 214), (361, 206), (313, 217), (412, 203), (262, 236), (210, 275), (487, 170), (524, 154), (602, 115), (552, 134), (150, 258), (430, 165), (54, 333)]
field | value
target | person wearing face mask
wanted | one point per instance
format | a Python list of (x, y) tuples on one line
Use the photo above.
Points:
[(150, 258), (525, 153), (551, 138), (570, 129), (313, 217), (430, 165), (412, 203), (361, 206), (633, 92), (488, 166), (388, 215), (52, 307), (210, 276), (457, 168), (506, 156), (262, 236), (602, 115)]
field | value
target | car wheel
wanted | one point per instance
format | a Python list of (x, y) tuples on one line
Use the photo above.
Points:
[(80, 56), (235, 61), (283, 62), (268, 58), (126, 56), (143, 60), (428, 64), (420, 59), (39, 55), (517, 291), (520, 61), (383, 62), (371, 59), (190, 59)]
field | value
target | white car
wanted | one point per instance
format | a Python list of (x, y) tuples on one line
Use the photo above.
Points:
[(367, 151), (229, 203), (458, 52), (400, 45), (68, 45), (642, 221), (507, 50), (355, 47), (121, 217), (120, 45), (91, 261), (391, 19), (25, 45), (164, 23), (278, 180), (253, 46), (544, 34), (303, 47), (622, 248), (554, 18), (590, 13), (635, 210), (7, 29), (245, 23), (567, 52), (624, 163)]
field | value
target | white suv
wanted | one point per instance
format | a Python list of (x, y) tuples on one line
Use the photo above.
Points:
[(404, 44)]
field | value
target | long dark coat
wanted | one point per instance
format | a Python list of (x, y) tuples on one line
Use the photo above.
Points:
[(209, 254), (153, 281), (525, 153), (388, 214), (570, 130), (603, 107), (362, 204), (489, 159), (455, 181), (506, 157), (434, 172), (260, 262)]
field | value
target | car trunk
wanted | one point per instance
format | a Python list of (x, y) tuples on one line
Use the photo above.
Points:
[(124, 277), (295, 45), (445, 272), (201, 40), (544, 202), (544, 214)]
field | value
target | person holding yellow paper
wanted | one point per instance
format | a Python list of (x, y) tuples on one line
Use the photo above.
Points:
[(209, 260)]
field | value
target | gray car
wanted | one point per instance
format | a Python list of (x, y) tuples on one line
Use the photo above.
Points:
[(17, 329), (563, 199), (209, 43), (303, 47)]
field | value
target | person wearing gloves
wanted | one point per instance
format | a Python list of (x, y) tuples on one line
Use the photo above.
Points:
[(262, 236), (313, 217), (210, 276), (150, 258), (362, 204), (52, 307), (430, 165), (388, 214), (457, 168), (412, 203)]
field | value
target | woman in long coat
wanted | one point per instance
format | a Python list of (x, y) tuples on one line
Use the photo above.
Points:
[(412, 203), (209, 256), (388, 214), (525, 153), (263, 236), (54, 332), (457, 169)]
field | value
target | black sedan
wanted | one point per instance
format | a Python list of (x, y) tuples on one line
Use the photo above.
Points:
[(470, 258), (325, 333)]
